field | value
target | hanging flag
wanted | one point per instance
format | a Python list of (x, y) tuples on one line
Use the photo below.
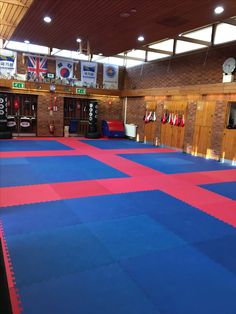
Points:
[(64, 69), (170, 121), (154, 116), (37, 68), (89, 73), (173, 119), (110, 76), (164, 118), (7, 63), (177, 120), (182, 123)]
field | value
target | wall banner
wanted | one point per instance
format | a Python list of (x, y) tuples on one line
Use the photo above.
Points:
[(110, 76), (64, 69), (89, 73), (7, 63)]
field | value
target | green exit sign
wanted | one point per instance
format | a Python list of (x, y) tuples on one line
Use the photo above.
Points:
[(81, 91), (18, 85)]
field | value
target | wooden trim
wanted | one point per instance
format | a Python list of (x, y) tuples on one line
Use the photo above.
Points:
[(38, 88), (157, 50), (194, 41), (219, 88), (15, 2)]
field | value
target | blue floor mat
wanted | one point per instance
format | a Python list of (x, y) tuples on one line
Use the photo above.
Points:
[(183, 280), (117, 144), (130, 253), (227, 189), (39, 170), (176, 162), (103, 290), (31, 145), (50, 254)]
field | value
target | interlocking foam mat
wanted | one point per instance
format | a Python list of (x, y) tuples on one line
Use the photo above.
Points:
[(176, 163), (31, 145), (104, 232), (116, 144), (35, 170)]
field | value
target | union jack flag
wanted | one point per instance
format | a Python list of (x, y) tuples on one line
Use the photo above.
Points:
[(37, 67)]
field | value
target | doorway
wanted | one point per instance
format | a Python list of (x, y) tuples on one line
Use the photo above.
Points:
[(22, 114), (76, 115)]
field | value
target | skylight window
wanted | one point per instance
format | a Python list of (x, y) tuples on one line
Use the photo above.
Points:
[(19, 46), (166, 45), (70, 54), (132, 63), (183, 46), (225, 33), (112, 60), (136, 54), (155, 56), (201, 34)]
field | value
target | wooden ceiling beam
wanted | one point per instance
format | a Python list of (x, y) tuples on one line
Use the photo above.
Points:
[(230, 21), (5, 23), (194, 41), (170, 53), (129, 58), (15, 2)]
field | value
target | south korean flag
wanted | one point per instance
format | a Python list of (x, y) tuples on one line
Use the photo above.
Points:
[(64, 69)]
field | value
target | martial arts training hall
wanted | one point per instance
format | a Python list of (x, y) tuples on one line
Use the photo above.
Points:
[(117, 157)]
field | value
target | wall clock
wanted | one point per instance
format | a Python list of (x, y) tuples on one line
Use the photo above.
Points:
[(229, 65), (52, 88)]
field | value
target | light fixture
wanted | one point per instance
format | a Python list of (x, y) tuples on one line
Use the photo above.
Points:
[(78, 40), (140, 38), (26, 41), (124, 14), (47, 19), (219, 10)]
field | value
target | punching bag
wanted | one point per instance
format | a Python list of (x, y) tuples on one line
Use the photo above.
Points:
[(93, 118), (4, 132)]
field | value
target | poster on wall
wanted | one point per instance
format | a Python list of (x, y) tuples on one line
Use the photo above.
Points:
[(37, 68), (110, 76), (7, 63), (64, 69), (89, 73)]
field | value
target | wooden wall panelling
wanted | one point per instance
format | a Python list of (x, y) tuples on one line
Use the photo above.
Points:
[(201, 139), (150, 132), (203, 127), (174, 135), (150, 128)]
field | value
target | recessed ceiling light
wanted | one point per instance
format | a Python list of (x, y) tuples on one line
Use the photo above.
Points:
[(47, 19), (78, 40), (219, 10), (26, 41), (140, 38), (124, 14)]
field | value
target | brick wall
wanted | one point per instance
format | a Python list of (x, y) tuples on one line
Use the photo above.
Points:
[(46, 116), (110, 108), (135, 112), (22, 69), (204, 67), (218, 126), (189, 125)]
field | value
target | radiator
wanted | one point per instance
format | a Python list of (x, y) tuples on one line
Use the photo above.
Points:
[(130, 130)]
